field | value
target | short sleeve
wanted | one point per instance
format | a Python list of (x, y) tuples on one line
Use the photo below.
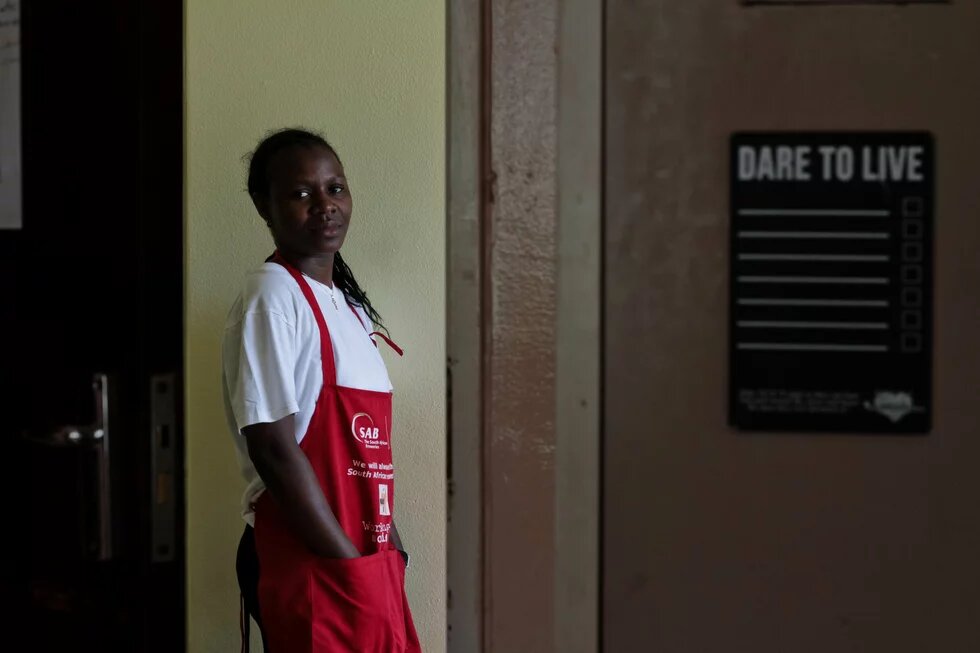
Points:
[(259, 361)]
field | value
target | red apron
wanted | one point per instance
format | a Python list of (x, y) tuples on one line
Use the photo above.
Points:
[(311, 604)]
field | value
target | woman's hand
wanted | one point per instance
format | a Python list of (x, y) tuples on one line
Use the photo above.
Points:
[(290, 481)]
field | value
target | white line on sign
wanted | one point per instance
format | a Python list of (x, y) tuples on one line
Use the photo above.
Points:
[(771, 346), (851, 258), (816, 235), (835, 280), (761, 324), (863, 303), (832, 213)]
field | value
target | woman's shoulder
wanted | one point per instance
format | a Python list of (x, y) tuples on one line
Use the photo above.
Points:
[(269, 278), (270, 288)]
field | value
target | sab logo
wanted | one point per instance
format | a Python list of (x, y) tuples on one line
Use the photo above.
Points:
[(364, 431)]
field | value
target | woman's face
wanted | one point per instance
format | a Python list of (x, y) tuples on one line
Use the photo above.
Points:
[(308, 206)]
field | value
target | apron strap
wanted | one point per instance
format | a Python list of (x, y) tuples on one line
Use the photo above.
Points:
[(391, 343), (326, 349), (354, 311), (244, 624)]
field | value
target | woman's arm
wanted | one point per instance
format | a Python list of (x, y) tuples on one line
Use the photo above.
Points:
[(290, 480)]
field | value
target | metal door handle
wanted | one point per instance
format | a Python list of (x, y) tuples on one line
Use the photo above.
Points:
[(96, 436), (71, 435)]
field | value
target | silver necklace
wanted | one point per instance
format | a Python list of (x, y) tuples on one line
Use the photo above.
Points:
[(329, 289)]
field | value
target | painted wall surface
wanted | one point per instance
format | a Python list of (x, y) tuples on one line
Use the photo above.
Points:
[(371, 77), (519, 466), (781, 542)]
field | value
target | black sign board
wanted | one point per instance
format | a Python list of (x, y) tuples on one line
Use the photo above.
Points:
[(831, 282)]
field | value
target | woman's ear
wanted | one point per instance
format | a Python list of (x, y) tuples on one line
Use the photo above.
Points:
[(262, 206)]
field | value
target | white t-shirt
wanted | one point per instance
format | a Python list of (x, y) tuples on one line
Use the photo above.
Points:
[(271, 358)]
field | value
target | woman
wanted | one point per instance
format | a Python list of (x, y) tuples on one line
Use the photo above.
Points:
[(308, 400)]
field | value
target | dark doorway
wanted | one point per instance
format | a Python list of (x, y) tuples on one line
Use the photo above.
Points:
[(92, 554)]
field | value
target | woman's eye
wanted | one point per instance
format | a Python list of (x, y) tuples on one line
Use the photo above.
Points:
[(301, 194), (336, 189)]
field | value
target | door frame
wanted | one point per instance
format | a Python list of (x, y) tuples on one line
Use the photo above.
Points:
[(465, 315), (578, 414), (576, 515)]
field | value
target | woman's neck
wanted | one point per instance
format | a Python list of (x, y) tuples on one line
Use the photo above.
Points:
[(318, 266)]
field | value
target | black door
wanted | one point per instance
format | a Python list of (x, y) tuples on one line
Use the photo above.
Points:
[(91, 553)]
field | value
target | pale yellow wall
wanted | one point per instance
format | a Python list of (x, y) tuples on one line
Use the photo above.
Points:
[(371, 76)]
